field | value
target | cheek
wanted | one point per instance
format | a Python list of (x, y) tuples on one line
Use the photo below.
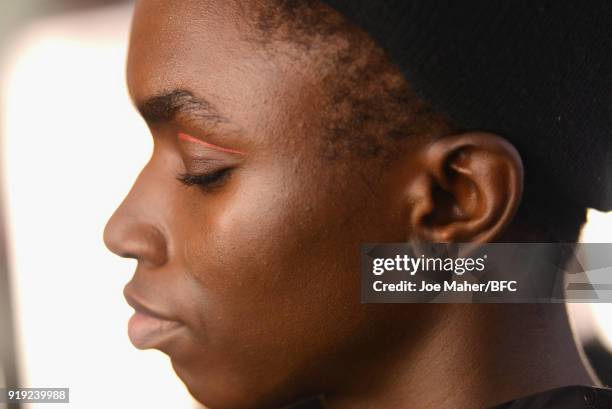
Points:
[(254, 240), (273, 251), (276, 263)]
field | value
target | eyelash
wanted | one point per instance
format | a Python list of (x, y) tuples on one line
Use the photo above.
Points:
[(206, 181)]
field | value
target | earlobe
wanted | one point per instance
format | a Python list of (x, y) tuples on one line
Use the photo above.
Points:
[(469, 188)]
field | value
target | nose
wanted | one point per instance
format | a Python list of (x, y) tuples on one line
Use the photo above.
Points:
[(131, 234)]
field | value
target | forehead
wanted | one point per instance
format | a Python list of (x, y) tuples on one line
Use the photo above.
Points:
[(206, 47), (176, 43), (210, 49)]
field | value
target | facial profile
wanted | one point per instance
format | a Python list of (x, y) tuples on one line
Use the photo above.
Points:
[(241, 227), (248, 219)]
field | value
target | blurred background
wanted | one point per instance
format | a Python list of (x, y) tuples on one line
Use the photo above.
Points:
[(71, 145)]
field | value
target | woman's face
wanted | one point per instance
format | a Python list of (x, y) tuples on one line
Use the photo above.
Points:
[(247, 237)]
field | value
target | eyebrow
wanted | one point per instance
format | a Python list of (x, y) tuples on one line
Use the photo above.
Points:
[(167, 106)]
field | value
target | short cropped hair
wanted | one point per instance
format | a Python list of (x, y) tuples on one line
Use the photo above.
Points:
[(371, 106)]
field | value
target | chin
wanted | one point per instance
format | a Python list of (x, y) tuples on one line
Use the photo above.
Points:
[(217, 390)]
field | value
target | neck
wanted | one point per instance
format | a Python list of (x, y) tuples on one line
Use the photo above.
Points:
[(472, 356)]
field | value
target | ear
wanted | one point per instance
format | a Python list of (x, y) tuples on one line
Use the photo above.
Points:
[(467, 190)]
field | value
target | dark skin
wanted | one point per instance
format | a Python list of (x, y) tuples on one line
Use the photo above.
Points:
[(260, 268)]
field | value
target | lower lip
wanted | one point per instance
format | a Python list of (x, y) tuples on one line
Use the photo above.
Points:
[(146, 331)]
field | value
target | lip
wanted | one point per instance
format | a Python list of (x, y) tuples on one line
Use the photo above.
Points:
[(148, 328)]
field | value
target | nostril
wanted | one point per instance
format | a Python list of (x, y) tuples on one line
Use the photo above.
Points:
[(128, 255), (137, 240)]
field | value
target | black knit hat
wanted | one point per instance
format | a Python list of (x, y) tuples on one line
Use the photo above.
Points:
[(537, 72)]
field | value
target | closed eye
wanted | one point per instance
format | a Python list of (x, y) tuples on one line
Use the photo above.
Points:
[(206, 181)]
